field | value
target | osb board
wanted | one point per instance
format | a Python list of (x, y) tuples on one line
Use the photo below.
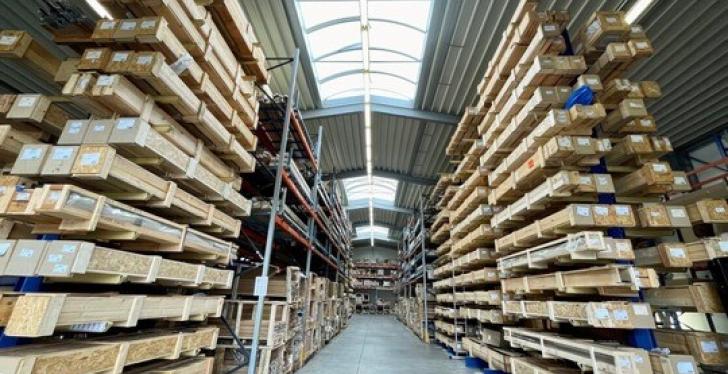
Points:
[(197, 365), (66, 358), (177, 270), (108, 260), (7, 303), (150, 348)]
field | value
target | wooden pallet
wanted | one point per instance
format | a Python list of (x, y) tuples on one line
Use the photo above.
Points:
[(482, 236), (600, 357), (537, 365), (42, 314), (478, 216), (84, 262), (497, 358), (107, 355), (607, 314), (610, 280), (478, 196)]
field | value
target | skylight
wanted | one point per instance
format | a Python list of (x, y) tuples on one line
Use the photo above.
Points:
[(358, 190), (377, 232), (397, 30)]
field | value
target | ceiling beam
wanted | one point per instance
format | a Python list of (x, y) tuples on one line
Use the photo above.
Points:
[(364, 204), (446, 119), (383, 173)]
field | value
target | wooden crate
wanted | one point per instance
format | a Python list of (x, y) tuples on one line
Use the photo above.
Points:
[(600, 357), (707, 348), (607, 314), (240, 314), (41, 314), (699, 297)]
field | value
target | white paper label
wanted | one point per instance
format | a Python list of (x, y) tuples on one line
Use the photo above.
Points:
[(636, 138), (68, 248), (4, 248), (31, 154), (22, 196), (641, 310), (106, 25), (90, 327), (709, 346), (549, 27), (685, 367), (636, 105), (641, 45), (621, 315), (491, 274), (585, 180), (582, 211), (719, 209), (583, 141), (26, 252), (602, 180), (60, 269), (62, 153), (125, 123), (261, 286), (144, 60), (655, 214), (601, 313), (677, 252), (105, 80), (622, 246), (592, 81), (680, 180), (54, 258), (623, 362), (128, 25), (99, 127), (611, 19), (8, 39), (88, 159), (120, 56), (74, 127), (93, 55), (148, 24), (565, 142), (621, 210), (678, 212), (659, 168), (27, 101), (620, 48), (645, 122), (601, 210)]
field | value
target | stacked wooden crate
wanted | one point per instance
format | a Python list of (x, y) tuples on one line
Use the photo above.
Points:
[(411, 311), (142, 191), (552, 176)]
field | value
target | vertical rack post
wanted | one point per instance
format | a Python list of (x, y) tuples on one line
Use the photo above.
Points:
[(426, 332), (261, 282)]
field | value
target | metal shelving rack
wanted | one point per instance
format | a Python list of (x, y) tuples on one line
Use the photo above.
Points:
[(283, 134), (414, 259)]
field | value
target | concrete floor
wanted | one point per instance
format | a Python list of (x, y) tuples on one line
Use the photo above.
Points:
[(380, 344)]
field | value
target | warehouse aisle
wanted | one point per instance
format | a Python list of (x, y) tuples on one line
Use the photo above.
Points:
[(379, 344)]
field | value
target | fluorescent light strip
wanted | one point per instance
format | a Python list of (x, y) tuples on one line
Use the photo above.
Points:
[(364, 20), (98, 8), (637, 10)]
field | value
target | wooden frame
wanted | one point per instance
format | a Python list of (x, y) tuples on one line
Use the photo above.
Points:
[(606, 314), (582, 247), (41, 314), (611, 280), (274, 323), (107, 355), (601, 358)]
